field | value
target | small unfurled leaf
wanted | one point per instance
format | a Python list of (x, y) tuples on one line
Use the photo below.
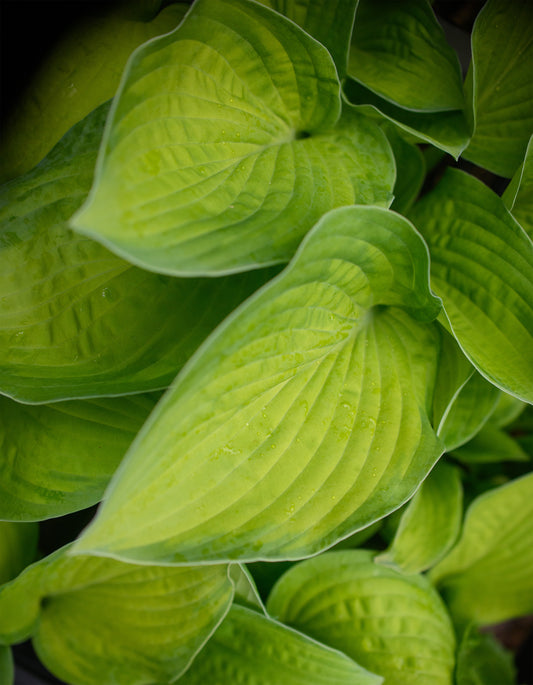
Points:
[(81, 72), (302, 419), (99, 620), (75, 320), (59, 458), (482, 268), (18, 548), (7, 673), (246, 592), (399, 51), (487, 577), (499, 83), (430, 524), (249, 648), (410, 171), (449, 130), (491, 444), (329, 21), (518, 196), (393, 624), (467, 414), (483, 661), (226, 144)]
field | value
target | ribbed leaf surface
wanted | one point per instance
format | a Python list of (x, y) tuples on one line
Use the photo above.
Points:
[(393, 624), (303, 418), (482, 268), (99, 620), (226, 146)]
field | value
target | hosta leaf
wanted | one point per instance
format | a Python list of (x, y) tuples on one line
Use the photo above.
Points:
[(58, 458), (6, 666), (490, 445), (410, 171), (471, 408), (80, 73), (225, 146), (448, 130), (302, 419), (482, 268), (518, 196), (249, 648), (487, 575), (499, 80), (75, 320), (246, 592), (507, 410), (430, 524), (399, 51), (483, 661), (393, 624), (18, 548), (329, 21), (99, 620)]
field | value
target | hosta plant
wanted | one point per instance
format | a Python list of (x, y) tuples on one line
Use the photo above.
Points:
[(272, 306)]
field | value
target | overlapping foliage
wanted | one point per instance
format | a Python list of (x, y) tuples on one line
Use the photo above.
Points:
[(346, 335)]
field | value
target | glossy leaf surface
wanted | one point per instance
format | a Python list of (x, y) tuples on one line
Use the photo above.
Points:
[(430, 524), (500, 83), (226, 145), (304, 408), (393, 624), (99, 620), (249, 648), (75, 320), (486, 577), (482, 268), (399, 51), (59, 458)]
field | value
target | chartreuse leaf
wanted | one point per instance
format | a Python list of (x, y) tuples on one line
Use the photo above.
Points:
[(518, 195), (249, 648), (58, 458), (491, 444), (302, 419), (507, 410), (430, 524), (399, 51), (81, 72), (482, 268), (246, 592), (499, 82), (225, 146), (410, 170), (481, 660), (401, 68), (75, 320), (329, 21), (463, 399), (99, 620), (7, 674), (393, 624), (448, 130), (18, 547), (487, 576)]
